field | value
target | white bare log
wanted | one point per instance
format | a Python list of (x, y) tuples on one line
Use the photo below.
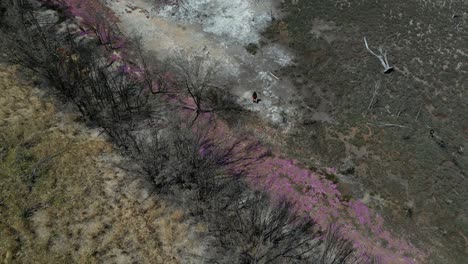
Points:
[(386, 125), (389, 125), (382, 57)]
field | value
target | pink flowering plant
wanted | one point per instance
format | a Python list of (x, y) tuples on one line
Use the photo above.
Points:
[(310, 194)]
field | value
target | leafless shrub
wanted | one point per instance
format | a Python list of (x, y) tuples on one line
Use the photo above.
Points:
[(197, 74), (174, 159), (103, 33), (251, 230), (185, 164), (34, 45), (181, 162), (38, 47), (77, 69), (339, 250), (156, 75)]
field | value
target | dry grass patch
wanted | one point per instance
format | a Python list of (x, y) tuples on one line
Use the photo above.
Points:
[(63, 200)]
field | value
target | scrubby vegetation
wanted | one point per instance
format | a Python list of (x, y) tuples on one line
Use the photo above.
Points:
[(382, 124), (132, 101)]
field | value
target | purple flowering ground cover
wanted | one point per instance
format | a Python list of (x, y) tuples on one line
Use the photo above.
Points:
[(309, 193)]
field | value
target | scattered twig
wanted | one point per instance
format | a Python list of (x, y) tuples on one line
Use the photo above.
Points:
[(399, 113), (426, 125), (371, 103), (455, 191), (388, 109), (215, 86), (419, 112), (274, 76), (401, 108), (436, 201), (464, 237)]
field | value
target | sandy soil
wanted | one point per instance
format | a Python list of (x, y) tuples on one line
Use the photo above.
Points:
[(180, 34)]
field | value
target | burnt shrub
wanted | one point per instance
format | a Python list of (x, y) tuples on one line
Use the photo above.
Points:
[(253, 230)]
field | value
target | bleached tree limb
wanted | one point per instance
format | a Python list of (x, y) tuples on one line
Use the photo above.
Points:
[(389, 125), (386, 125), (382, 57), (395, 125)]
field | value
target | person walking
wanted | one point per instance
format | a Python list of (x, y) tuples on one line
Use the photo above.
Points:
[(254, 97)]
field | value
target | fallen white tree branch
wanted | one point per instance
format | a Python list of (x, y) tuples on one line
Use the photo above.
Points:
[(389, 125), (386, 125), (382, 57)]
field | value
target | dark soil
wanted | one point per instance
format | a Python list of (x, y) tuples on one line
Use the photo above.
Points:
[(418, 181)]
